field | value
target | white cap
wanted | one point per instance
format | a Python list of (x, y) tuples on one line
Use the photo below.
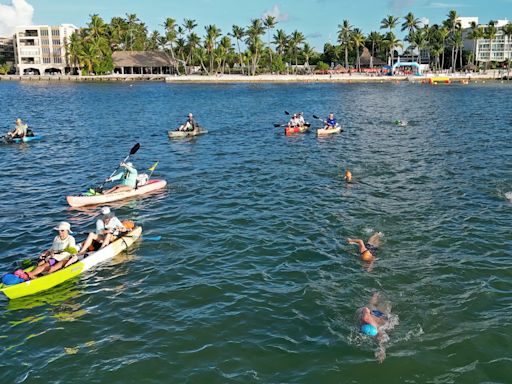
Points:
[(105, 211), (63, 226)]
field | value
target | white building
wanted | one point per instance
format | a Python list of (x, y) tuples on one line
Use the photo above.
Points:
[(501, 45), (41, 49)]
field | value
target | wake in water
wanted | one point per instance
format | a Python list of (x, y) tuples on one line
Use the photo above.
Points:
[(508, 196)]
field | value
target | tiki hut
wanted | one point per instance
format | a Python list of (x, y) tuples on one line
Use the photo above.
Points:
[(143, 63), (366, 60)]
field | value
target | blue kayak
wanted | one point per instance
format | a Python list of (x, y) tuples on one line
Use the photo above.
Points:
[(25, 139)]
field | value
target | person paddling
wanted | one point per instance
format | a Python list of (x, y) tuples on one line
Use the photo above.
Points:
[(190, 124), (20, 130), (128, 177), (331, 122), (53, 259), (108, 228)]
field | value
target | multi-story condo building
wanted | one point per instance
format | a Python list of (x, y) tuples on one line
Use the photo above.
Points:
[(7, 51), (501, 49), (41, 49)]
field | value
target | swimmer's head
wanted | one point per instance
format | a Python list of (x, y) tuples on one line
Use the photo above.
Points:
[(367, 256), (348, 175), (369, 330)]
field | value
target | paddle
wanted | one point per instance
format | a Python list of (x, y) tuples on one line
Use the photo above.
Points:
[(133, 151)]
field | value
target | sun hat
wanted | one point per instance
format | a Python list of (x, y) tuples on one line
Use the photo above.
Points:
[(106, 213), (63, 226)]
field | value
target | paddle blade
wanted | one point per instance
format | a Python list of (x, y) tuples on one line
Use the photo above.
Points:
[(316, 117), (277, 125), (134, 149), (152, 238), (286, 113)]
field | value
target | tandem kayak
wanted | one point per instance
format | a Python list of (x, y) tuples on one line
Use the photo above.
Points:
[(293, 130), (325, 131), (23, 140), (183, 134), (45, 282), (80, 201)]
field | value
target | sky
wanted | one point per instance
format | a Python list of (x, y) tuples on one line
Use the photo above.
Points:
[(317, 19)]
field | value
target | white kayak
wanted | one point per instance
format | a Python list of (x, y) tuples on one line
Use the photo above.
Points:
[(330, 131), (80, 201), (183, 134)]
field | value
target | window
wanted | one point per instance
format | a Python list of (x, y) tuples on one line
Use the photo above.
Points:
[(46, 51), (56, 41), (44, 32), (46, 60), (56, 51), (55, 32), (57, 60)]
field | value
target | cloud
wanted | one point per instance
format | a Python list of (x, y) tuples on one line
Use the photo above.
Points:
[(400, 5), (19, 12), (433, 4), (423, 21), (277, 13)]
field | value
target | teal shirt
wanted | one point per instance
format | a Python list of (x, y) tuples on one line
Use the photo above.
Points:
[(128, 176)]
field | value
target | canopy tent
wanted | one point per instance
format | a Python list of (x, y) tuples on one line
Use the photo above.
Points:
[(407, 64)]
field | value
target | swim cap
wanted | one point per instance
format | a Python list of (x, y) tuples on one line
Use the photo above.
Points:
[(367, 256), (369, 330)]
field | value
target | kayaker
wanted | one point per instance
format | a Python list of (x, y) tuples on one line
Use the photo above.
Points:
[(190, 124), (331, 122), (20, 130), (108, 227), (367, 250), (300, 118), (61, 250), (294, 121), (128, 177)]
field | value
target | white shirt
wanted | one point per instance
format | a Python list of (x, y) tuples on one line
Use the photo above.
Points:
[(60, 245), (113, 223)]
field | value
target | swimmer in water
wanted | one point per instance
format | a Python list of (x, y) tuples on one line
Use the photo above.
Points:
[(372, 322), (401, 123), (348, 176), (367, 250)]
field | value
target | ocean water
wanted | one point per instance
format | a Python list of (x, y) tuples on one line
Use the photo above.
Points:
[(253, 280)]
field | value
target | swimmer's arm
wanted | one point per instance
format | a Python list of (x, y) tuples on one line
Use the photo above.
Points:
[(359, 243)]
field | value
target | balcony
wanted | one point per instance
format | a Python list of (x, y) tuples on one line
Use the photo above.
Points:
[(29, 33), (30, 60)]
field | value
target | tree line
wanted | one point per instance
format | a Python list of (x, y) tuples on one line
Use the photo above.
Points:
[(261, 47)]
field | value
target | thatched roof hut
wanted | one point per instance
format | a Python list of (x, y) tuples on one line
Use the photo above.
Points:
[(140, 62), (366, 59)]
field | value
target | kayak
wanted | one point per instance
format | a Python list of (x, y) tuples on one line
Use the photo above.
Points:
[(23, 140), (183, 134), (325, 132), (80, 201), (45, 282), (293, 130)]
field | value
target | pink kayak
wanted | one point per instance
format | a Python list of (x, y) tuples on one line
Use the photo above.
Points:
[(80, 201)]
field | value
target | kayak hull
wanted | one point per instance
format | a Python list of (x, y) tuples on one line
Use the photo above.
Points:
[(25, 139), (295, 130), (326, 132), (80, 201), (46, 282), (184, 134)]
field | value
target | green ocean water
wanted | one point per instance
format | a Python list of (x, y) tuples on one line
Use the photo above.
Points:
[(253, 280)]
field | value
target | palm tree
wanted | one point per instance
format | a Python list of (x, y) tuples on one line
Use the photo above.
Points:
[(490, 34), (307, 52), (458, 42), (97, 26), (74, 50), (193, 43), (116, 30), (238, 33), (476, 33), (358, 40), (507, 31), (171, 34), (411, 23), (344, 38), (389, 22), (295, 40), (375, 38), (452, 23), (210, 43), (281, 41), (269, 23), (443, 33), (132, 20), (391, 42), (254, 43), (224, 49)]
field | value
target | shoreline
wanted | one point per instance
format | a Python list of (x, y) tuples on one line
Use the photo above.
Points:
[(271, 79)]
